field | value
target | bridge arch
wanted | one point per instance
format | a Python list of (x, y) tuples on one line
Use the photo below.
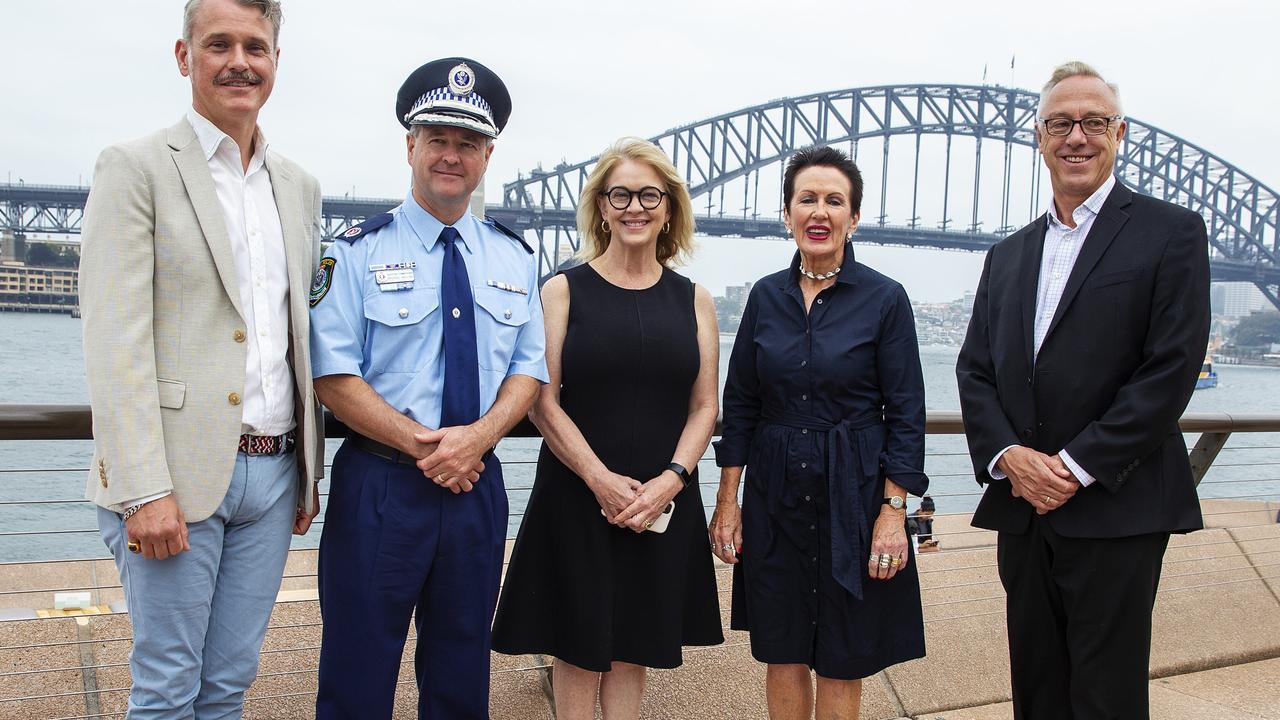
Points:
[(1242, 213)]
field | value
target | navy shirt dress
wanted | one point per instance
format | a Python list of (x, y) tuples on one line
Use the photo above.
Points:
[(820, 408)]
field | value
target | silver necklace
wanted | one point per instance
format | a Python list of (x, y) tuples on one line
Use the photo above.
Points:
[(818, 276)]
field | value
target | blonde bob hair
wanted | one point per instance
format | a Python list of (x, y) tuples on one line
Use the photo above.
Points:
[(675, 243)]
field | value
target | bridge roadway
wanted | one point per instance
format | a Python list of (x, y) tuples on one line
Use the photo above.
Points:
[(58, 210)]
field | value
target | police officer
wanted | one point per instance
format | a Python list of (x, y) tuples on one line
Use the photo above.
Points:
[(427, 341)]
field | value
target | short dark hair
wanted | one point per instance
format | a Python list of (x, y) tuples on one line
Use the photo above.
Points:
[(926, 504), (822, 155)]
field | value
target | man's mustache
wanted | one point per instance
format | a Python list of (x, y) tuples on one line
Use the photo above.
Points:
[(239, 76)]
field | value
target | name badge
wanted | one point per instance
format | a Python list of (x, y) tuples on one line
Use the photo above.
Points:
[(386, 277)]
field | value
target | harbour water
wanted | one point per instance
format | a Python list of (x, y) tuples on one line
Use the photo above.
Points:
[(41, 362)]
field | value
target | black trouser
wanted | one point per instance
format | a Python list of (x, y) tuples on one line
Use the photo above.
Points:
[(1079, 619)]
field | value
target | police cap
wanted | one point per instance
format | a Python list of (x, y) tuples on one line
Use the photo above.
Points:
[(457, 92)]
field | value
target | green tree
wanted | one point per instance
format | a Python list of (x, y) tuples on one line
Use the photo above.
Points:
[(1261, 328), (42, 255)]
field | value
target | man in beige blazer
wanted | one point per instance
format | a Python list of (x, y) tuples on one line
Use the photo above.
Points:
[(198, 249)]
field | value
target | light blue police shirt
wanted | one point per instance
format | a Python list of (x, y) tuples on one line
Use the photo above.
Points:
[(392, 335)]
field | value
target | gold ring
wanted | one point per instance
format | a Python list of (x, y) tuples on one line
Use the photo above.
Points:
[(648, 524), (895, 562), (1047, 499), (135, 546)]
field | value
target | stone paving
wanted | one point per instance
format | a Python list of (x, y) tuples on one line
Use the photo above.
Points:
[(1216, 652)]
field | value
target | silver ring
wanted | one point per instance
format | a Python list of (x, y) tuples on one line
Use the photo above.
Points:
[(884, 561), (874, 557), (726, 547)]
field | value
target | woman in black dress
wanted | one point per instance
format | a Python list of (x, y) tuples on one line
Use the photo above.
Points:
[(632, 351), (824, 406)]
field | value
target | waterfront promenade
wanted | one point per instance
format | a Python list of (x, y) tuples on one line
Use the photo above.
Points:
[(1216, 652)]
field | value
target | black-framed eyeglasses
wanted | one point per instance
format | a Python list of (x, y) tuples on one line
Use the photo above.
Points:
[(1061, 127), (620, 197)]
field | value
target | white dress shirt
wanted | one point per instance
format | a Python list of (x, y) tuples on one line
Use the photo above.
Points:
[(1061, 248), (257, 244)]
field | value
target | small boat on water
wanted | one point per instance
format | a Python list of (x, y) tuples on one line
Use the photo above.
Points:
[(1208, 378)]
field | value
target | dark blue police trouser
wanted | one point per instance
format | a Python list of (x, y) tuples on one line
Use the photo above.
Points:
[(393, 542)]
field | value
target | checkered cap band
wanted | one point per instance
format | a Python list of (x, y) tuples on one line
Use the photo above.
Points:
[(444, 100)]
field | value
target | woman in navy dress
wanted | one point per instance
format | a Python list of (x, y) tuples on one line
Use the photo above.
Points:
[(633, 352), (824, 408)]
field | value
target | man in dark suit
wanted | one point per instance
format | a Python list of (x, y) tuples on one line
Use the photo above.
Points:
[(1088, 331)]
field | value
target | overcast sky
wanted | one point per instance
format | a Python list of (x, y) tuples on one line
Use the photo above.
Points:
[(81, 74)]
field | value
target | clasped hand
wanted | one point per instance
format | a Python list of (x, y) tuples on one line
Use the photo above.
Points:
[(451, 456), (1040, 479), (634, 505)]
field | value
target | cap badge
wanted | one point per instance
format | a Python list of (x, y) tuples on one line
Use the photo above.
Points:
[(462, 80)]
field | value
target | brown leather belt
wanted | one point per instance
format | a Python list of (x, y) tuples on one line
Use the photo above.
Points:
[(268, 444)]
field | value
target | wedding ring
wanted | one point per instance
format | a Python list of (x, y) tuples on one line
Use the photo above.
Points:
[(135, 546), (648, 524), (895, 562), (1047, 499)]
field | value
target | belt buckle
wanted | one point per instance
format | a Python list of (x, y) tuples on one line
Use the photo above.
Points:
[(267, 444)]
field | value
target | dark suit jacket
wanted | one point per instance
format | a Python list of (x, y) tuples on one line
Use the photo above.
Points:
[(1114, 373)]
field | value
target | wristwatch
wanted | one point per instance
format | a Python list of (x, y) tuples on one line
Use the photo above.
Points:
[(678, 469), (895, 502)]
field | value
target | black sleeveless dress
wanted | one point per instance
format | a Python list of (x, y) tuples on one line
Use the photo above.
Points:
[(578, 588)]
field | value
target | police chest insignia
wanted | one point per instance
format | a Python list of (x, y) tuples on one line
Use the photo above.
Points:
[(462, 80), (323, 279)]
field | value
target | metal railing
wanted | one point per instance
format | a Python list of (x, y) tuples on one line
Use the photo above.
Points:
[(63, 666)]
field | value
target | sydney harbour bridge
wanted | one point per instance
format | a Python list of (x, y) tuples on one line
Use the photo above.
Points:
[(963, 172)]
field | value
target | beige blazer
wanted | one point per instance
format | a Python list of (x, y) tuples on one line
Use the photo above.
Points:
[(163, 328)]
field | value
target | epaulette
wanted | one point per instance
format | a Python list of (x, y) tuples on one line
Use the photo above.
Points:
[(368, 226), (508, 232)]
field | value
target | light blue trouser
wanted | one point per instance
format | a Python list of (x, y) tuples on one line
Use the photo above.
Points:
[(199, 618)]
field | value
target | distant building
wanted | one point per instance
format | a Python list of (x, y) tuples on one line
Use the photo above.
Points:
[(38, 289), (1237, 299), (729, 307)]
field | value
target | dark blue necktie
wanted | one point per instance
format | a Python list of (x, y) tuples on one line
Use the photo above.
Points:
[(461, 403)]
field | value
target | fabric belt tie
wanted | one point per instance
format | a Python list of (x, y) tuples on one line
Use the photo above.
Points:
[(461, 402), (268, 444), (853, 459)]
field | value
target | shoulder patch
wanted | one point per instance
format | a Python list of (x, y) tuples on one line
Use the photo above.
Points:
[(509, 233), (368, 226), (322, 281)]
